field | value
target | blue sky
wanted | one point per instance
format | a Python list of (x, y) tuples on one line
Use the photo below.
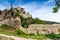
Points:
[(37, 8)]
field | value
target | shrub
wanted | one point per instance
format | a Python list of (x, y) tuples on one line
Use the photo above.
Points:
[(52, 35), (4, 26), (25, 25), (16, 14), (55, 9), (31, 34), (19, 32), (0, 11)]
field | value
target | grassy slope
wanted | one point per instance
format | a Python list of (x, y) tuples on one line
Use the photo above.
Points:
[(19, 33)]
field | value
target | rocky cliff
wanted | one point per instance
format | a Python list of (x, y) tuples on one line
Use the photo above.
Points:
[(12, 16), (18, 18)]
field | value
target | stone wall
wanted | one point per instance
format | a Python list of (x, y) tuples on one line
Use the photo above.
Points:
[(42, 29)]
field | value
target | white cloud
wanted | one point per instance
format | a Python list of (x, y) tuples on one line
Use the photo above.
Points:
[(2, 8), (30, 6), (43, 12), (49, 1)]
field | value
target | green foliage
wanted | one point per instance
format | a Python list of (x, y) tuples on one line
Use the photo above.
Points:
[(57, 3), (0, 11), (25, 25), (4, 26), (27, 21), (7, 28), (57, 6), (52, 35), (38, 21), (16, 14), (30, 20), (23, 21), (55, 9), (31, 34), (19, 32)]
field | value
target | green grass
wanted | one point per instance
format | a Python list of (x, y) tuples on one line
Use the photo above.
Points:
[(38, 37), (25, 35), (19, 33)]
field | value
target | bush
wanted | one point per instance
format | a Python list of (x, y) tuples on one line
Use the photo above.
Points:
[(4, 26), (19, 32), (26, 21), (16, 14), (25, 25), (31, 34), (55, 9), (52, 35)]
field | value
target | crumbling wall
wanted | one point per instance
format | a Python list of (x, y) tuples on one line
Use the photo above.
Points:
[(41, 29), (44, 29)]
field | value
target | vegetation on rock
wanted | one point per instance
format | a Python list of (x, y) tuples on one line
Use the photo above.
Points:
[(27, 21)]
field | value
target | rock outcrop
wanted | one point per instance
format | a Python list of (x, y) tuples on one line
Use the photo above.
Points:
[(44, 29), (7, 16)]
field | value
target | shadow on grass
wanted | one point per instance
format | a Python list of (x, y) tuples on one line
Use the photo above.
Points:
[(53, 36)]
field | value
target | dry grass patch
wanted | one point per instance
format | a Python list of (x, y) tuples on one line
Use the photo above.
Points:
[(5, 38)]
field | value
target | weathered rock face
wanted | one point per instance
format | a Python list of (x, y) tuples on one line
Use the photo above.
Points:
[(23, 13), (11, 22), (15, 22), (7, 17), (44, 29), (4, 22)]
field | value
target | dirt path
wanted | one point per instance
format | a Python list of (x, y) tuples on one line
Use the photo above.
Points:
[(16, 38)]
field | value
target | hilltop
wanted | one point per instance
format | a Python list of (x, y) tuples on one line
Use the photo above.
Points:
[(22, 16)]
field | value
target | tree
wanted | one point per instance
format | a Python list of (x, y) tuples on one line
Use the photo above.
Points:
[(57, 6), (0, 11), (16, 15)]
